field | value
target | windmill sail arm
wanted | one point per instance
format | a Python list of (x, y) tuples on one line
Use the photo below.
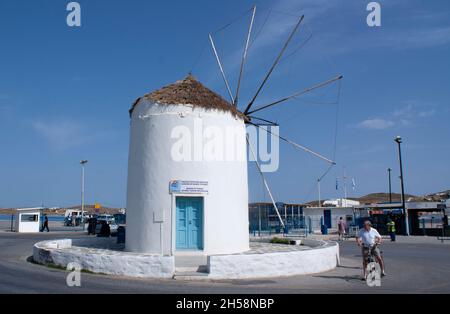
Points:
[(326, 172), (277, 60), (213, 46), (295, 95), (304, 148), (264, 120), (244, 57), (265, 182)]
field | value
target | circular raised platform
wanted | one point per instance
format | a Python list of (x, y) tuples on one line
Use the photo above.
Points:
[(103, 255)]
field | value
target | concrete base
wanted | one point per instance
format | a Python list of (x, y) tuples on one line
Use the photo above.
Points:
[(61, 253), (262, 261), (319, 257)]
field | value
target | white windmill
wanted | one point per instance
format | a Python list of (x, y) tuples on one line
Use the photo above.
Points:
[(179, 204)]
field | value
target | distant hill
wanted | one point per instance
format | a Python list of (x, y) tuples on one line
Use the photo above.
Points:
[(434, 197), (366, 199), (396, 197), (381, 198), (62, 210)]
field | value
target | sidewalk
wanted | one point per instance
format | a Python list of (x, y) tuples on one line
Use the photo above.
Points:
[(55, 228), (399, 239), (334, 237)]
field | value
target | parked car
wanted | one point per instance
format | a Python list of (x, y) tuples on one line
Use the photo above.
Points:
[(106, 219), (120, 219)]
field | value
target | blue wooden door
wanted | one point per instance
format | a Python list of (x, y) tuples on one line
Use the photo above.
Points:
[(189, 218), (327, 218)]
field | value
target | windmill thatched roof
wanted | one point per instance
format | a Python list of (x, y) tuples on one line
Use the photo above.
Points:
[(189, 91)]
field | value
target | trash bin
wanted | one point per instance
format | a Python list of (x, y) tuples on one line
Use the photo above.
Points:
[(324, 229), (121, 234)]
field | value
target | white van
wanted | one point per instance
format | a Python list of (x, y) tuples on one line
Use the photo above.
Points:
[(70, 213)]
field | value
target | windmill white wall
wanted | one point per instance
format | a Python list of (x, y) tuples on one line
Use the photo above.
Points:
[(151, 168)]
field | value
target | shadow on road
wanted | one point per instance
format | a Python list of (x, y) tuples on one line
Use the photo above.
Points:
[(348, 267), (248, 282), (354, 278)]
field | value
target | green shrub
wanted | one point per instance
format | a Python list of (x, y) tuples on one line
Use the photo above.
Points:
[(280, 240)]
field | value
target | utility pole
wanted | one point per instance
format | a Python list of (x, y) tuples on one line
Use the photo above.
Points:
[(318, 187), (398, 140), (259, 220), (82, 163), (390, 185), (344, 178)]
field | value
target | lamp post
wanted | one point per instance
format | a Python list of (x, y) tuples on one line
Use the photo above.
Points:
[(259, 220), (398, 140), (318, 188), (390, 186), (82, 163)]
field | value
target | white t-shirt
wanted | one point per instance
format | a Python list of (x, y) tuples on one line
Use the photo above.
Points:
[(368, 237)]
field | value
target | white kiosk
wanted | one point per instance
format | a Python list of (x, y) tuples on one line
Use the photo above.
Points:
[(27, 220)]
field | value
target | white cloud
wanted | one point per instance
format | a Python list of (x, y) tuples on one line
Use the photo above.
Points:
[(426, 114), (401, 117), (282, 24), (412, 112), (398, 32), (405, 112), (376, 124), (61, 134), (416, 38), (279, 21)]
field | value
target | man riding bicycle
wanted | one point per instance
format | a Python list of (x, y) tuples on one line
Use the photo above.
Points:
[(369, 239)]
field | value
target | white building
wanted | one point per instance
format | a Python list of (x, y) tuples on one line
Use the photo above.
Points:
[(328, 216), (187, 173), (27, 220), (341, 202)]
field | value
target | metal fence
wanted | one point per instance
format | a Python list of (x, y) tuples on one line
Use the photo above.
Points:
[(263, 223)]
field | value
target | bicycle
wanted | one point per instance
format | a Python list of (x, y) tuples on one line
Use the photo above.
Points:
[(373, 268)]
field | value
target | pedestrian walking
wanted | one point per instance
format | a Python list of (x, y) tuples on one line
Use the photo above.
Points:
[(342, 226), (45, 226)]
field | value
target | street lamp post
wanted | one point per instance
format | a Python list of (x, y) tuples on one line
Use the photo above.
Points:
[(390, 186), (82, 163), (318, 188), (259, 220), (398, 140)]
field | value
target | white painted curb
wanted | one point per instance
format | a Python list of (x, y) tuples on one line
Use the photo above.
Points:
[(61, 253), (323, 256)]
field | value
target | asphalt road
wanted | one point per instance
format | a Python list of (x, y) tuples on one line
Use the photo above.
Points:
[(411, 268)]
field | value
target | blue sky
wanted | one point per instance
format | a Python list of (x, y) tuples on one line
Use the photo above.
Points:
[(65, 92)]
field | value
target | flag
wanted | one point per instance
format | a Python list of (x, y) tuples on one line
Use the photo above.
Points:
[(353, 184), (337, 184)]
